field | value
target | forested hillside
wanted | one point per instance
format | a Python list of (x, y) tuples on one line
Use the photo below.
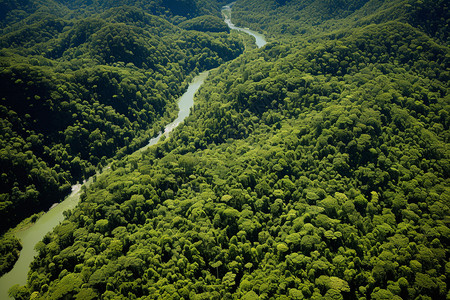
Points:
[(316, 167), (13, 11), (78, 91), (292, 19)]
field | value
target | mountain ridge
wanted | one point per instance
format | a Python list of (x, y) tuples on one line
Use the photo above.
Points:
[(77, 92), (315, 167)]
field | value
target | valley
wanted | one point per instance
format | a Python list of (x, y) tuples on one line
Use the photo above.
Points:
[(314, 167)]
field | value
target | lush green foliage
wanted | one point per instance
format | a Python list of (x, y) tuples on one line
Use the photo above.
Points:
[(300, 18), (316, 167), (13, 11), (205, 23), (9, 252), (76, 93), (312, 169)]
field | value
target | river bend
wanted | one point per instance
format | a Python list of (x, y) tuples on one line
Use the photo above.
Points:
[(32, 235)]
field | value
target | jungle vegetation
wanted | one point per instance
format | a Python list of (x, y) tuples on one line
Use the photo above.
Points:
[(78, 91), (316, 167)]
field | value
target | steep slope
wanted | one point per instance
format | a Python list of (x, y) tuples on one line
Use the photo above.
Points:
[(310, 169), (293, 18), (16, 11), (75, 93)]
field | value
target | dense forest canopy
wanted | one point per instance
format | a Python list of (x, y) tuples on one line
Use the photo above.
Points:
[(12, 11), (78, 91), (295, 18), (316, 167)]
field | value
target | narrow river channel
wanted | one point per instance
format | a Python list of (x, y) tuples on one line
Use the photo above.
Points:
[(260, 40), (32, 235)]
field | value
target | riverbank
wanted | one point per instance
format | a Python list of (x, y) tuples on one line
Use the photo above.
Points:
[(260, 39), (32, 235)]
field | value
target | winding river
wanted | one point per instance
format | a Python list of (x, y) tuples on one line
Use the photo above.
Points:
[(32, 235), (260, 40)]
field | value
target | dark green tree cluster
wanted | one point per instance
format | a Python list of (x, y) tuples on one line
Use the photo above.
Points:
[(296, 17), (75, 93), (309, 170), (19, 11), (14, 10), (9, 252), (432, 17), (300, 18), (206, 24)]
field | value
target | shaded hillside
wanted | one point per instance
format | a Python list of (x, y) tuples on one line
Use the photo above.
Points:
[(205, 23), (308, 170), (306, 17), (14, 11), (75, 93)]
